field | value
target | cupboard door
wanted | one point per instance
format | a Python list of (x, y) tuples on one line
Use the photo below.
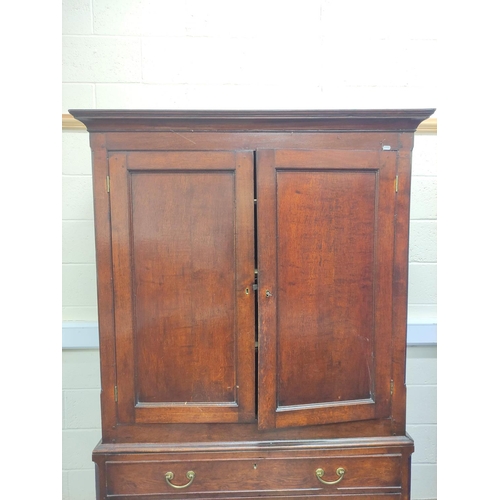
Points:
[(326, 238), (183, 263)]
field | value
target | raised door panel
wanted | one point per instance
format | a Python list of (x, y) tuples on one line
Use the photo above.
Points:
[(325, 221), (183, 261)]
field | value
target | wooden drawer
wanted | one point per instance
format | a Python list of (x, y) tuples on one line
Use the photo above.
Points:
[(287, 477)]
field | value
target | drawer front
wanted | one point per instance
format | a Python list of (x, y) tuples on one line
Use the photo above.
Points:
[(289, 476)]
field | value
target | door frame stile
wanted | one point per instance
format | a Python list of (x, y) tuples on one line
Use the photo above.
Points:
[(267, 258)]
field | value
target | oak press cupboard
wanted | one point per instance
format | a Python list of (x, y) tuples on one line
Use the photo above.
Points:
[(252, 294)]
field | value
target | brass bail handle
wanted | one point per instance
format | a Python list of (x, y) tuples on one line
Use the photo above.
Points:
[(170, 475), (340, 472)]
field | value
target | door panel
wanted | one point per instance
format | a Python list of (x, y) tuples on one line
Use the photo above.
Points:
[(325, 263), (325, 285), (184, 286), (183, 259)]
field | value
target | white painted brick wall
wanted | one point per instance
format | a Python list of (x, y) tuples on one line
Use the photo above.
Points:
[(421, 380), (77, 95), (101, 59), (77, 198), (320, 47), (77, 17), (78, 242), (233, 55)]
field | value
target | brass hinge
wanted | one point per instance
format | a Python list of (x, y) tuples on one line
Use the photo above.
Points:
[(396, 184), (107, 183), (116, 394), (392, 386)]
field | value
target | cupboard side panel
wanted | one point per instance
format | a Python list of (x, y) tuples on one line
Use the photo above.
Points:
[(400, 286), (104, 264)]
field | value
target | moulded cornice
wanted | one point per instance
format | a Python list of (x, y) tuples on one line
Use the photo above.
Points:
[(97, 120)]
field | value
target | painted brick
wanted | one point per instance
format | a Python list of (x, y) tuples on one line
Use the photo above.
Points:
[(422, 313), (63, 411), (77, 446), (343, 19), (81, 484), (141, 96), (160, 18), (173, 96), (198, 18), (421, 365), (423, 241), (228, 61), (184, 60), (213, 96), (422, 283), (79, 286), (338, 96), (79, 313), (82, 407), (101, 59), (288, 62), (421, 404), (77, 96), (425, 437), (420, 61), (78, 241), (76, 153), (76, 17), (424, 157), (191, 60), (384, 63), (65, 485), (278, 20), (379, 20), (80, 369), (77, 197), (423, 482), (210, 19), (254, 96), (236, 19), (117, 18), (423, 203)]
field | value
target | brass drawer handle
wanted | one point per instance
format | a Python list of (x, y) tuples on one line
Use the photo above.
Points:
[(170, 475), (340, 472)]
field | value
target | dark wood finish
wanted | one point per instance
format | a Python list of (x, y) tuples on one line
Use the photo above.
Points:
[(105, 298), (326, 242), (175, 242), (372, 467), (252, 474), (178, 432), (182, 259), (402, 120), (200, 141), (400, 283)]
